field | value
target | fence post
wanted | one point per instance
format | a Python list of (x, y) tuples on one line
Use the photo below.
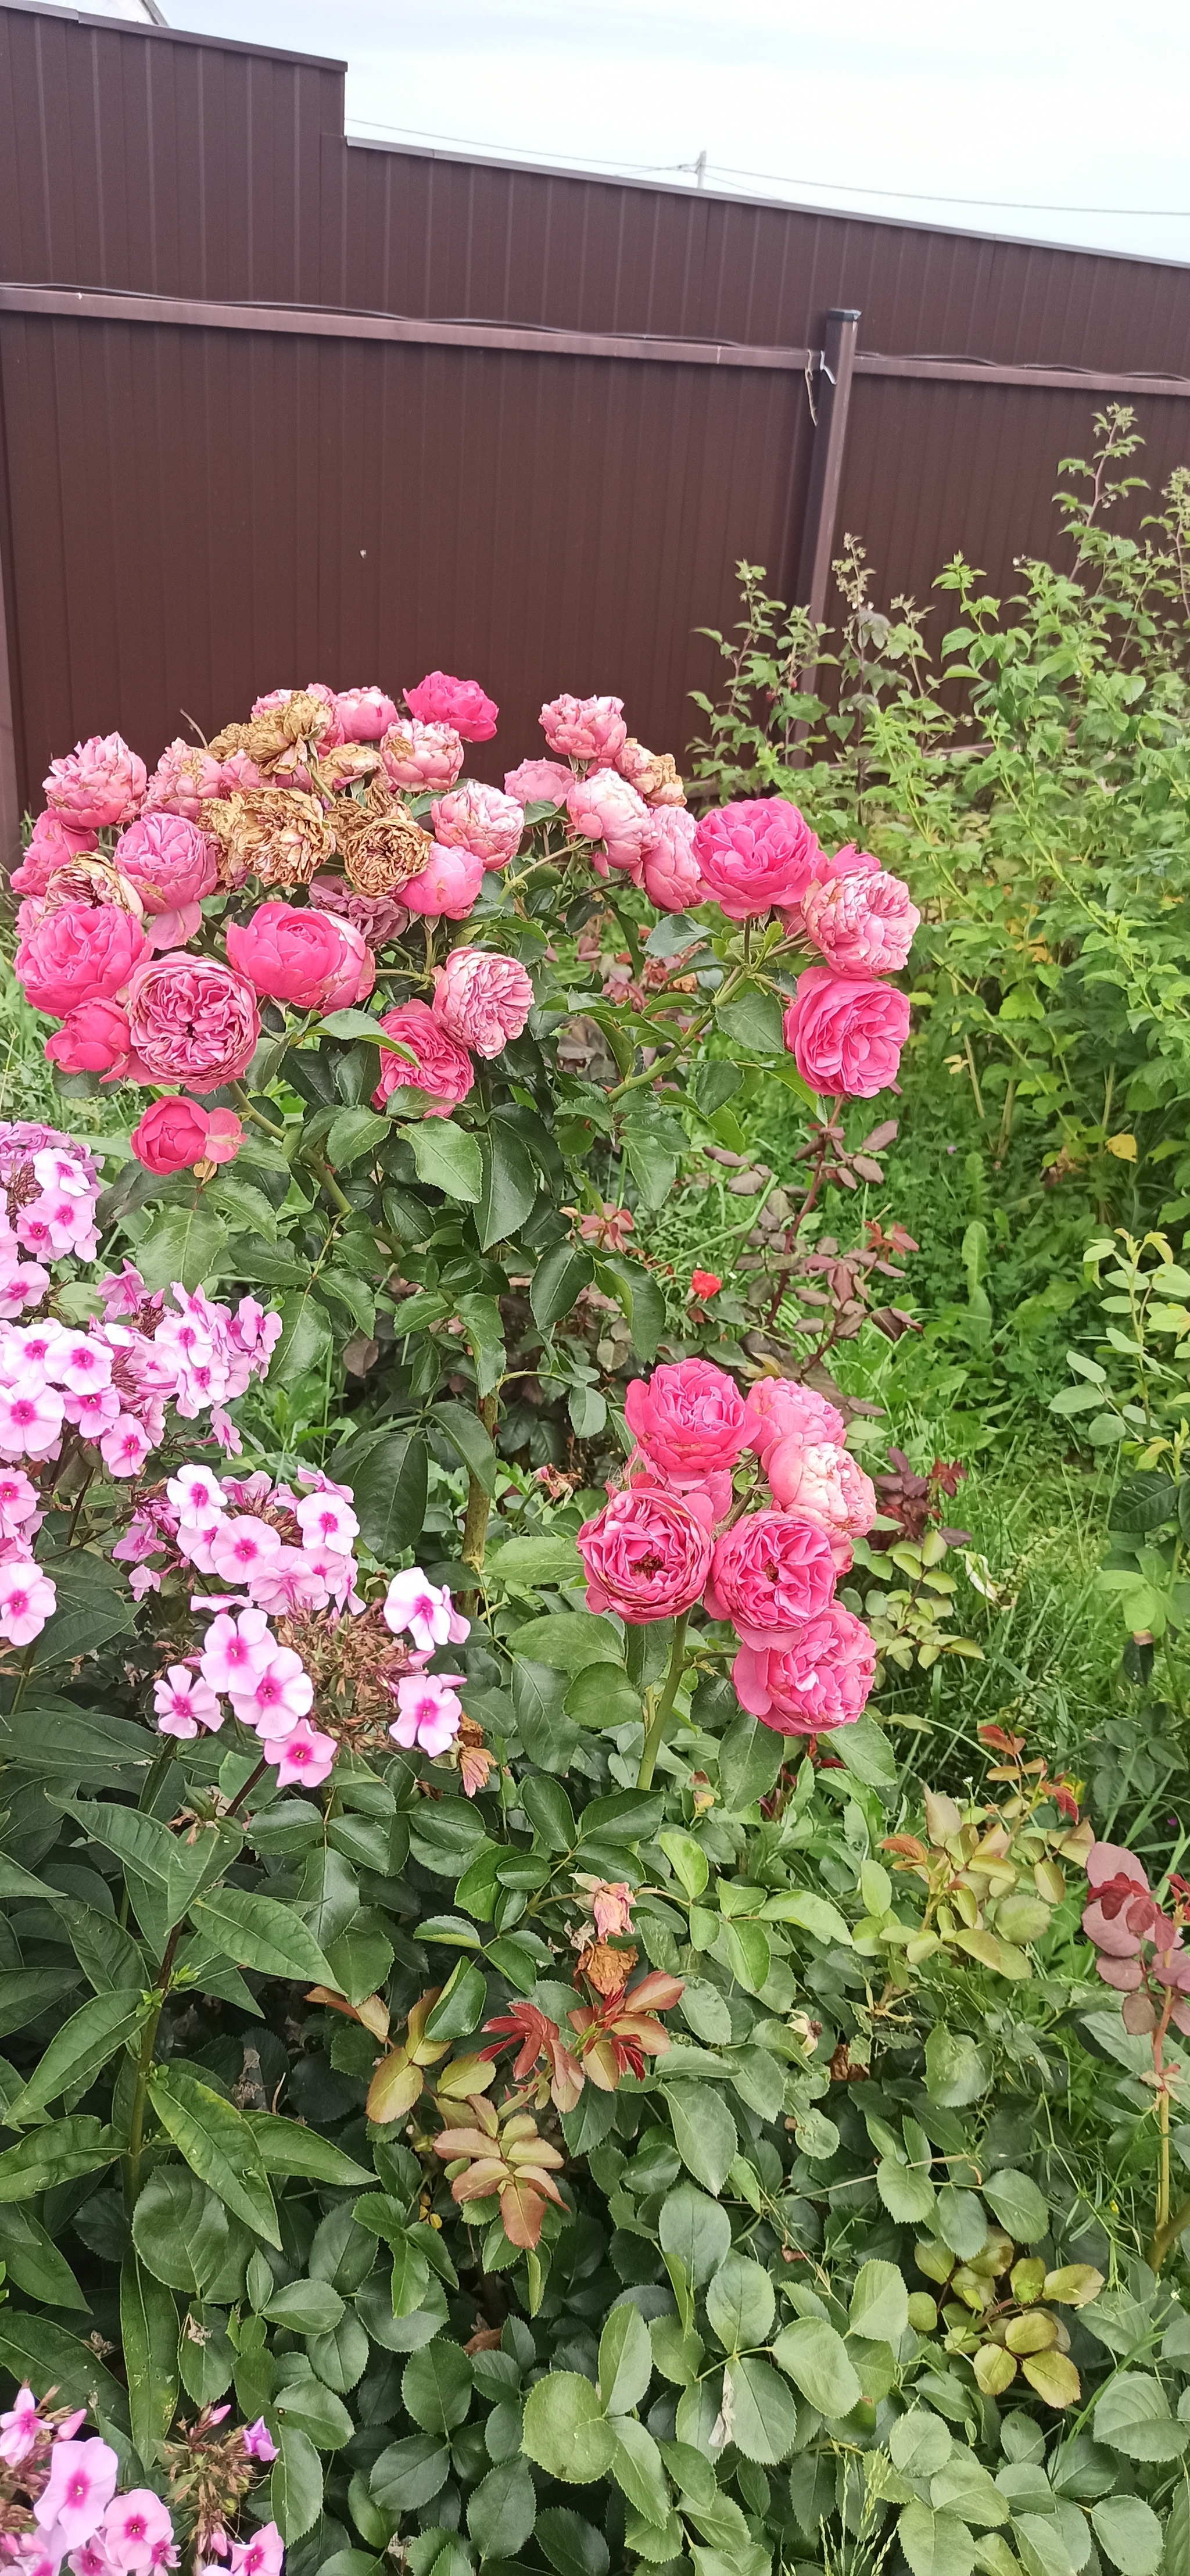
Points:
[(10, 801), (833, 386)]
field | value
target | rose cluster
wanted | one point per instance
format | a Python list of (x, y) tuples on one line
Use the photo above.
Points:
[(679, 1533), (60, 2500)]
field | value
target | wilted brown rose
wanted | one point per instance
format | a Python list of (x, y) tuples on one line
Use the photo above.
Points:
[(273, 739), (92, 880), (347, 762), (605, 1968), (381, 851), (273, 833)]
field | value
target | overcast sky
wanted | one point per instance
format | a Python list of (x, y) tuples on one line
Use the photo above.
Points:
[(1061, 105)]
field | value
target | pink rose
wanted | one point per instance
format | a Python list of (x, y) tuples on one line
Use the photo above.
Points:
[(479, 819), (173, 1135), (822, 1681), (688, 1418), (846, 1035), (442, 700), (822, 1483), (585, 728), (646, 1555), (377, 917), (184, 777), (82, 952), (238, 771), (539, 782), (99, 782), (672, 877), (448, 885), (440, 1066), (862, 924), (421, 755), (53, 843), (769, 1575), (301, 956), (191, 1019), (364, 714), (482, 999), (603, 807), (778, 1409), (92, 1039), (754, 854), (847, 862), (172, 865)]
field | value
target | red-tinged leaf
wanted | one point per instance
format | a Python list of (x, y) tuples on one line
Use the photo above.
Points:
[(395, 2087), (521, 2210), (566, 2081), (655, 1993), (601, 2066), (480, 2180), (532, 2151), (647, 2033), (462, 2142)]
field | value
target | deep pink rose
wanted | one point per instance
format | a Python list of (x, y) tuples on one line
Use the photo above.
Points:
[(863, 924), (603, 807), (482, 999), (539, 782), (688, 1418), (769, 1575), (585, 728), (421, 755), (99, 782), (191, 1020), (447, 886), (364, 714), (672, 878), (440, 699), (778, 1408), (172, 865), (754, 854), (301, 956), (173, 1135), (845, 1034), (822, 1681), (440, 1066), (478, 818), (184, 777), (82, 952), (53, 843), (92, 1039), (646, 1555)]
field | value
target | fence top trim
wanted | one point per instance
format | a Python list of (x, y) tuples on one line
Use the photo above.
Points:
[(174, 35)]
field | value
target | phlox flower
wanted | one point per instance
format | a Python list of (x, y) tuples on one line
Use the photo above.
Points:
[(430, 1711), (18, 1504), (93, 1410), (134, 2527), (22, 1283), (27, 1599), (78, 1362), (425, 1609), (122, 1291), (194, 1542), (273, 1699), (303, 1754), (242, 1547), (326, 1521), (31, 1346), (125, 1445), (258, 2441), (224, 1431), (30, 1417), (184, 1702), (195, 1493), (19, 2428), (260, 2556), (78, 2491), (143, 1578), (236, 1651)]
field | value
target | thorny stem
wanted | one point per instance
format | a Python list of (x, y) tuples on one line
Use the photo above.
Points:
[(664, 1708), (479, 1501)]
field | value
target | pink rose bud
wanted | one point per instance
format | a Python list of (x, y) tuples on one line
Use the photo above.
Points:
[(99, 782), (421, 755), (298, 955), (92, 1039), (603, 807), (435, 1064), (822, 1681), (440, 699), (174, 1135), (482, 999), (845, 1035), (754, 854), (448, 885), (688, 1418), (769, 1575), (364, 714), (778, 1408), (480, 819), (585, 728), (53, 843), (673, 880), (183, 779), (172, 865), (192, 1020), (539, 782), (862, 924), (82, 952), (647, 1556)]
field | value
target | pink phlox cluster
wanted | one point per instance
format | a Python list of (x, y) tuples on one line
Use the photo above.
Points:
[(64, 2491), (49, 1185)]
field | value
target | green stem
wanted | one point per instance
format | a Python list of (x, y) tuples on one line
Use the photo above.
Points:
[(144, 2066), (479, 1501), (239, 1094), (664, 1708), (324, 1174)]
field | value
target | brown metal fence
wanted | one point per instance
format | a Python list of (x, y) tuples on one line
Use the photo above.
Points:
[(275, 405)]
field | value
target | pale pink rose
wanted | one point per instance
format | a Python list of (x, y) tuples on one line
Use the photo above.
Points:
[(364, 714), (585, 728), (447, 887), (847, 862), (822, 1681), (539, 782), (603, 807), (482, 999), (53, 843), (672, 877), (172, 866), (859, 1494), (480, 819), (377, 917), (754, 854), (688, 1418), (81, 953), (769, 1575), (846, 1034), (184, 778), (440, 1066), (100, 782), (239, 772), (778, 1408), (862, 924), (192, 1020), (440, 699), (296, 954), (646, 1555), (93, 1038), (806, 1478), (421, 755)]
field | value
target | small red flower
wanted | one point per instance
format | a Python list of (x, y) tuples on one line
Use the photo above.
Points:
[(703, 1284)]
